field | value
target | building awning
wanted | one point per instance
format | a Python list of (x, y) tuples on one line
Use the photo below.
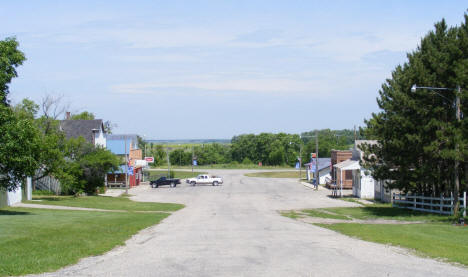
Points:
[(348, 165)]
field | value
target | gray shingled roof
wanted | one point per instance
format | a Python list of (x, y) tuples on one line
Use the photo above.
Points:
[(81, 128)]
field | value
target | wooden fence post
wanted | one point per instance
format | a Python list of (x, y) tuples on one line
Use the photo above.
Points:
[(414, 201), (441, 203), (464, 203), (451, 203)]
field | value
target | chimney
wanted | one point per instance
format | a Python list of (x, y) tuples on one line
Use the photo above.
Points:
[(67, 116)]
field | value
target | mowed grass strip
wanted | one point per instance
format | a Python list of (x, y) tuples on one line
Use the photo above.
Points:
[(433, 240), (41, 240), (106, 203), (322, 213), (277, 174), (155, 174), (386, 211)]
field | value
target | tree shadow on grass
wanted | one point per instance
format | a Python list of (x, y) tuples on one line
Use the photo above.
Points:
[(48, 198), (8, 212), (389, 212)]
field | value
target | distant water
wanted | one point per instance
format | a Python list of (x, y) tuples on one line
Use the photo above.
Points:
[(188, 141)]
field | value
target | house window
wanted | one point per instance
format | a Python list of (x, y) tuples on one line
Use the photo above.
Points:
[(348, 174)]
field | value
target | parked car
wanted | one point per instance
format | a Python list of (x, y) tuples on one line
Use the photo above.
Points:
[(163, 181), (205, 179)]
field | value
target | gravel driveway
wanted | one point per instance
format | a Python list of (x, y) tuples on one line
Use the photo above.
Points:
[(235, 230)]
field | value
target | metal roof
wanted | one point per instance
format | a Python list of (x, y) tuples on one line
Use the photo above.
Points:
[(348, 165), (323, 163)]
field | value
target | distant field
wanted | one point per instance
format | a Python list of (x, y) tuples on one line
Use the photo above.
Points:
[(189, 142), (277, 174), (154, 174), (229, 166)]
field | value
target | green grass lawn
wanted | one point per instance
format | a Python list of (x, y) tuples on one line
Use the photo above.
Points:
[(105, 202), (433, 240), (291, 214), (386, 211), (155, 174), (322, 213), (277, 174), (376, 211), (41, 240)]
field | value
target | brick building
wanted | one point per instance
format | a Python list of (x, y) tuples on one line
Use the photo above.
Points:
[(338, 156)]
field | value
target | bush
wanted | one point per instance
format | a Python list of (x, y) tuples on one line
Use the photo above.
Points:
[(85, 172), (101, 190), (246, 161)]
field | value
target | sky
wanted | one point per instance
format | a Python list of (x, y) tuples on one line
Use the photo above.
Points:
[(216, 69)]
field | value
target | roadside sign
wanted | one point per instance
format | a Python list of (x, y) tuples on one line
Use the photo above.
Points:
[(149, 159), (130, 170), (194, 162), (297, 166)]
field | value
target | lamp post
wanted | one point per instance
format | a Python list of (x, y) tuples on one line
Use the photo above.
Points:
[(458, 117)]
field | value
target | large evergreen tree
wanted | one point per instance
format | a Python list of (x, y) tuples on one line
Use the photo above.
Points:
[(419, 137)]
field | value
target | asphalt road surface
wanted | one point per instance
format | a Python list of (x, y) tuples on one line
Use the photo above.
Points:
[(235, 230)]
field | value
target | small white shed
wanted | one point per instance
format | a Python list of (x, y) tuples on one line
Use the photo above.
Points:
[(9, 198), (363, 184)]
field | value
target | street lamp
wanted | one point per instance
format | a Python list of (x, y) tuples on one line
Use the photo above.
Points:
[(458, 117)]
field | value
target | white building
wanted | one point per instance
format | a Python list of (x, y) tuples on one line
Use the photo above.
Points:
[(9, 198), (363, 183)]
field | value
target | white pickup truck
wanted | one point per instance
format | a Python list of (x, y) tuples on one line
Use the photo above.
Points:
[(205, 179)]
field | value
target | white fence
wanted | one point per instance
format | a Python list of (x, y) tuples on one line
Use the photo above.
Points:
[(440, 205), (47, 183)]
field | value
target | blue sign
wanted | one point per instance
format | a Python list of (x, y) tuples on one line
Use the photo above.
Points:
[(130, 170), (194, 162), (297, 165)]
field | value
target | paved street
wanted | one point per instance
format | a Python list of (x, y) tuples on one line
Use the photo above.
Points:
[(236, 230)]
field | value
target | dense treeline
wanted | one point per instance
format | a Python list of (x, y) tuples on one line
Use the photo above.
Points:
[(266, 148), (423, 148)]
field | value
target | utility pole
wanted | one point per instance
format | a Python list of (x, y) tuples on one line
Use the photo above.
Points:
[(168, 163), (457, 163), (456, 189), (126, 167), (300, 161), (317, 177)]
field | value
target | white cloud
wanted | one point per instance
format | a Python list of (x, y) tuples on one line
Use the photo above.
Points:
[(147, 38), (273, 85), (166, 58)]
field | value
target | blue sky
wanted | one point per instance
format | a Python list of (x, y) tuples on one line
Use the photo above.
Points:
[(215, 69)]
